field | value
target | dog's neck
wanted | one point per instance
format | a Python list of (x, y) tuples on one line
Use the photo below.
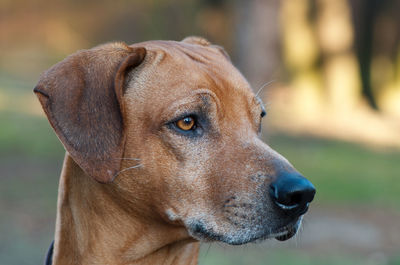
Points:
[(93, 227)]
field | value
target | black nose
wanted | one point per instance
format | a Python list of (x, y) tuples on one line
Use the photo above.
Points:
[(292, 192)]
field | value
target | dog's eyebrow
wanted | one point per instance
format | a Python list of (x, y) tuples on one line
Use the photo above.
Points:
[(191, 101), (212, 95)]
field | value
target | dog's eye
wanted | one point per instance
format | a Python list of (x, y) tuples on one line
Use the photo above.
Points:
[(186, 124), (263, 113)]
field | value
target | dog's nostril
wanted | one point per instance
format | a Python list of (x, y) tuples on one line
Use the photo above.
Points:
[(295, 198), (292, 191)]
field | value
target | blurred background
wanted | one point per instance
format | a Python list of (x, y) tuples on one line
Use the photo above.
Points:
[(328, 71)]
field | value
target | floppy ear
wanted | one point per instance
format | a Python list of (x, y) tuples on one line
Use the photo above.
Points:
[(82, 98)]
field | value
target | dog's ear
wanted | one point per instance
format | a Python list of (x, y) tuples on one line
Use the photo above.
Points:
[(196, 40), (82, 98), (203, 42)]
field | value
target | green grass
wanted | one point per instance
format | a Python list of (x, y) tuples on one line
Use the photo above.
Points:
[(28, 136), (22, 134)]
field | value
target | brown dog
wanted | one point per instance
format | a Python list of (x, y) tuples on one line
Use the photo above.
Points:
[(162, 151)]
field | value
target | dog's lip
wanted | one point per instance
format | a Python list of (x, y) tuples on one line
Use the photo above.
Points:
[(199, 231), (287, 234), (288, 231)]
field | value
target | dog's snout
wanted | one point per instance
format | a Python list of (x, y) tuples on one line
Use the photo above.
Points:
[(292, 192)]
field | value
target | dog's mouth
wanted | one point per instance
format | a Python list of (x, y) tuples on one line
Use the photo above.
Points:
[(201, 231), (288, 231)]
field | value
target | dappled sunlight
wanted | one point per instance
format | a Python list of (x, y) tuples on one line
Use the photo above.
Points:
[(323, 97), (390, 101), (307, 88), (388, 79), (300, 47), (360, 124), (334, 30), (342, 82)]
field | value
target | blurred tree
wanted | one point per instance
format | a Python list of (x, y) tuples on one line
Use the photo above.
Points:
[(335, 38), (301, 55), (364, 16), (334, 53), (377, 32), (344, 39), (214, 19), (257, 40)]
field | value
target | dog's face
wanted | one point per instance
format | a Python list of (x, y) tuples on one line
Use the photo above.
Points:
[(188, 146), (196, 138)]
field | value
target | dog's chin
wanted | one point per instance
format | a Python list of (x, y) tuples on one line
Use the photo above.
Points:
[(200, 231)]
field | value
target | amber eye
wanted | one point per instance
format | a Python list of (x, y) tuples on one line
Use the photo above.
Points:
[(186, 124)]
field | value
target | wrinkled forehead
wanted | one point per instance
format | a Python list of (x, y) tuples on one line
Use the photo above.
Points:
[(184, 67)]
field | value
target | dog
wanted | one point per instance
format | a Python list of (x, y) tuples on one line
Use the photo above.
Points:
[(163, 151)]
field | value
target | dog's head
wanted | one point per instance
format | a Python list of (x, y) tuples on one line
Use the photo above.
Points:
[(174, 127)]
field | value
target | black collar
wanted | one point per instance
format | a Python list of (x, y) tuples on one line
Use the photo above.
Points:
[(49, 256)]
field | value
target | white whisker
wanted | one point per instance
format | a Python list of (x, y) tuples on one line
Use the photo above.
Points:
[(263, 86), (129, 158), (128, 168)]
